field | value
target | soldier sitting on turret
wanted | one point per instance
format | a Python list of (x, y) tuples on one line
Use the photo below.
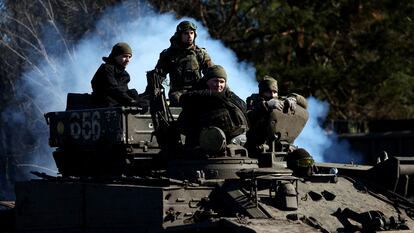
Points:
[(110, 82), (212, 105), (260, 106)]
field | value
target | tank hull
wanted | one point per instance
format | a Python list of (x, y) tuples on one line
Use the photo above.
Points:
[(62, 206), (94, 207)]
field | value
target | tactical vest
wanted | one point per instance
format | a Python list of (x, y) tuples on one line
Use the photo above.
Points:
[(185, 67), (228, 118)]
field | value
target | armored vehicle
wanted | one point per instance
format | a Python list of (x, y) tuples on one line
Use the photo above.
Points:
[(126, 171)]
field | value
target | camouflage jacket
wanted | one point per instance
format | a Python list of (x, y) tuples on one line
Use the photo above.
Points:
[(184, 65), (204, 108), (258, 115)]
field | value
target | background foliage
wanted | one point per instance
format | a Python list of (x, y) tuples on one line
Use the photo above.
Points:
[(356, 55)]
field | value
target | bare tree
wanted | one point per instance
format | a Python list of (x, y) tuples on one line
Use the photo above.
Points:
[(28, 59)]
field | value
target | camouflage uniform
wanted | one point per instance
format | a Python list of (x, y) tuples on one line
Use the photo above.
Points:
[(258, 112), (184, 64), (203, 108)]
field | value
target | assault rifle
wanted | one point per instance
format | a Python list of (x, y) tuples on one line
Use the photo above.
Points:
[(161, 115)]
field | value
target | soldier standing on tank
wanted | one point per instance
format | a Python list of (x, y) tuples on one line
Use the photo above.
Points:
[(183, 61), (110, 82), (213, 104), (259, 107)]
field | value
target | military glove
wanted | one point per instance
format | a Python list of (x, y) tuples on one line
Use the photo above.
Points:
[(300, 100), (290, 103), (274, 104)]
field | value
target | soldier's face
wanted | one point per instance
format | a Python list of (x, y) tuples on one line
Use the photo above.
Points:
[(123, 59), (216, 84), (269, 94), (187, 37)]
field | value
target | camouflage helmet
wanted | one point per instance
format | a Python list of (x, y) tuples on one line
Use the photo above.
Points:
[(300, 161), (186, 25), (267, 83)]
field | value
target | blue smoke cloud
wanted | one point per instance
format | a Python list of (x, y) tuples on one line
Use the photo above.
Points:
[(324, 145)]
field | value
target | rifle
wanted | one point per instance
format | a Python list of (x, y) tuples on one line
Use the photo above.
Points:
[(159, 110)]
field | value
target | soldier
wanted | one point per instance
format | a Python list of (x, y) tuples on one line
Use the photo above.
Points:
[(215, 105), (183, 61), (259, 107), (110, 82)]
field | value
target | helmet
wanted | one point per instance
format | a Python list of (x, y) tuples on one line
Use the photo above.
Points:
[(300, 161), (186, 25), (268, 83)]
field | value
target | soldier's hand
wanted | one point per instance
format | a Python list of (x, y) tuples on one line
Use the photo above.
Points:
[(274, 104), (290, 103)]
